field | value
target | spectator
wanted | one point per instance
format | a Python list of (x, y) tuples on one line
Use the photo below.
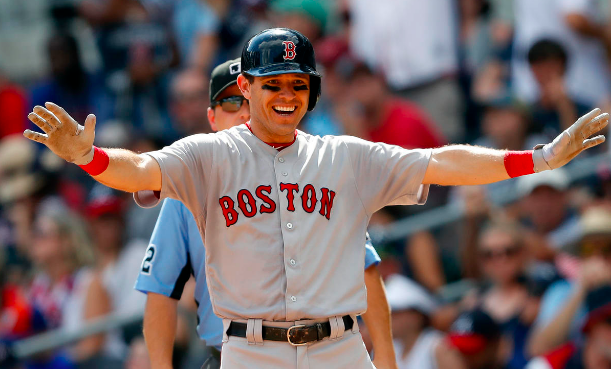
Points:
[(562, 308), (550, 223), (576, 23), (555, 110), (502, 257), (413, 43), (505, 125), (417, 344), (594, 351), (136, 52), (189, 103), (384, 118), (195, 25), (477, 337), (14, 105), (119, 262), (309, 17), (332, 54), (64, 289), (68, 82)]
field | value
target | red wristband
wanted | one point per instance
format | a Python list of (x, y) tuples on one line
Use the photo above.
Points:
[(98, 164), (519, 163)]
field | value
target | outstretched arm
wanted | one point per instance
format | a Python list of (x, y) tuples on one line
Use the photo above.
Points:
[(470, 165), (124, 169)]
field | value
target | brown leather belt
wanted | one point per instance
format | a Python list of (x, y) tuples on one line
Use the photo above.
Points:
[(296, 335)]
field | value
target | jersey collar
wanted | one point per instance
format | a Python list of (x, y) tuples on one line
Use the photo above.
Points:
[(277, 146)]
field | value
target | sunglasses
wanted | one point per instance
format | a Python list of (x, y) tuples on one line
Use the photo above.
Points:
[(230, 104), (507, 252)]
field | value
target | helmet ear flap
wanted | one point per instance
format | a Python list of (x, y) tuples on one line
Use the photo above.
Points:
[(315, 90)]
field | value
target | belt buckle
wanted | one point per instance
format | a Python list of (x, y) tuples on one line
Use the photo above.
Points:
[(288, 335)]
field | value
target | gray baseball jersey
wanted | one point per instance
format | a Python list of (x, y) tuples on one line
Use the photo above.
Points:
[(284, 230)]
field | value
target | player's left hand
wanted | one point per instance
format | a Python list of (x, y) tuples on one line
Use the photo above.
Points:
[(571, 142)]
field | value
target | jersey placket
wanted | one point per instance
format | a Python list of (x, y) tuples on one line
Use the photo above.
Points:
[(283, 164)]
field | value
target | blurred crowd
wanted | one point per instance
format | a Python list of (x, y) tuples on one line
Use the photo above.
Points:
[(507, 74)]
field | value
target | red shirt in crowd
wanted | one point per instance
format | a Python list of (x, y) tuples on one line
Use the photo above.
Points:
[(14, 108), (405, 125)]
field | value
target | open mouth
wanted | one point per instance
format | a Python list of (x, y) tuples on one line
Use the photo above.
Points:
[(284, 110)]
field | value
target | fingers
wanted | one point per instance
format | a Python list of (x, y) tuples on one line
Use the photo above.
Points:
[(41, 123), (591, 142), (35, 136), (47, 116), (59, 112), (585, 119), (595, 125), (90, 124)]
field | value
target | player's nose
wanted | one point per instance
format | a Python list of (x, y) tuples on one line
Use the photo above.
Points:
[(287, 92)]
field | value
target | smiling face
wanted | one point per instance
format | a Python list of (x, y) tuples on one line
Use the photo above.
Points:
[(277, 104)]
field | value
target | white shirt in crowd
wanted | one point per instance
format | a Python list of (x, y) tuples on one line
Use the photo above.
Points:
[(588, 78), (119, 279), (411, 41), (422, 354)]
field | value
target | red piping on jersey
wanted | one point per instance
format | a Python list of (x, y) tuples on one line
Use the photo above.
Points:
[(277, 146)]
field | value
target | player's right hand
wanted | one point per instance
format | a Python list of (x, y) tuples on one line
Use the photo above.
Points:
[(62, 134)]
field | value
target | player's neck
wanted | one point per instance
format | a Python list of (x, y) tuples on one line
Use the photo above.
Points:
[(265, 135)]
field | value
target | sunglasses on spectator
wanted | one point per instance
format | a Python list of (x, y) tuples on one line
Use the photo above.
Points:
[(507, 252), (588, 249), (230, 104)]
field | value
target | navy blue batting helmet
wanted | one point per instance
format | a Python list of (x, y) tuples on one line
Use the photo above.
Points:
[(281, 51)]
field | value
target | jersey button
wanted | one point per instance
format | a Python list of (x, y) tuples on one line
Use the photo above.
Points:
[(293, 262), (285, 174), (293, 298), (281, 159), (289, 225)]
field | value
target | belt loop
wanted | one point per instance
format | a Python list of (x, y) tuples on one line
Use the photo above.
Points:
[(334, 328), (258, 331), (340, 326), (355, 324), (250, 331), (226, 323)]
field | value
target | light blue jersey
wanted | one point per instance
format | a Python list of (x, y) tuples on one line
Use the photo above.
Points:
[(175, 252)]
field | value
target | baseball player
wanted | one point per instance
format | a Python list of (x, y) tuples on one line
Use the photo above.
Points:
[(176, 251), (284, 213)]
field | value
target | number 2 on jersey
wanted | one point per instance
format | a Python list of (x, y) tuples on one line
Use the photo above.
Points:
[(147, 263)]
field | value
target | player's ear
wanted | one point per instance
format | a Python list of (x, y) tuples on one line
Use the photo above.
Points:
[(244, 86), (211, 119)]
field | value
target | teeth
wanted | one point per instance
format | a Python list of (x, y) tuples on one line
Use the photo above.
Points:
[(285, 108)]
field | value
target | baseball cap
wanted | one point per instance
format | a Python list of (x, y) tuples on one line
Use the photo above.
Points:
[(315, 10), (103, 201), (557, 179), (598, 303), (595, 221), (404, 294), (472, 331), (223, 76)]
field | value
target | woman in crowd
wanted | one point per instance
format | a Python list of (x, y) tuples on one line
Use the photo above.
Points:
[(64, 289)]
